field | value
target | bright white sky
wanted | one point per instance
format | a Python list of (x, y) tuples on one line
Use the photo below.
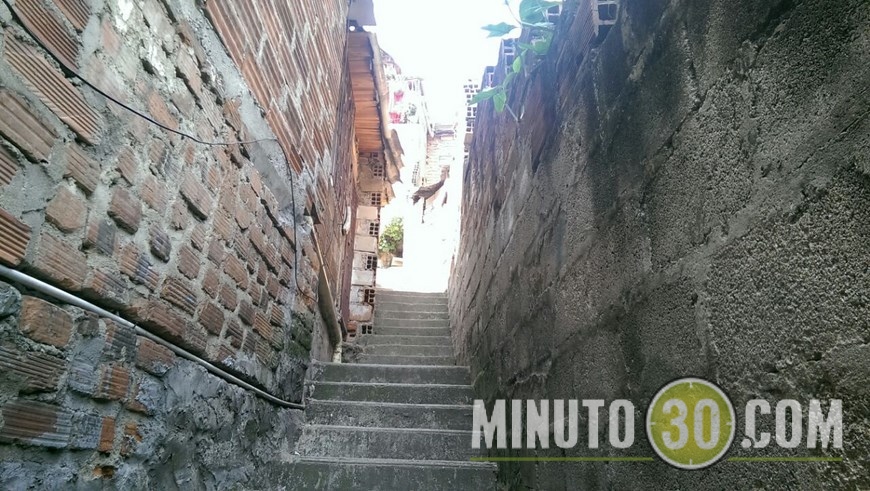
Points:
[(442, 42)]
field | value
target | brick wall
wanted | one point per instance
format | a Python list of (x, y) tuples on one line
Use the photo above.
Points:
[(195, 243)]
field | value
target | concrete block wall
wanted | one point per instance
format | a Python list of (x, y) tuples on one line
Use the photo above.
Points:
[(195, 243), (691, 198)]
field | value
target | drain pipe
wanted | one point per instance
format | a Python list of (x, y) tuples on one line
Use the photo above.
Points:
[(68, 298), (326, 304)]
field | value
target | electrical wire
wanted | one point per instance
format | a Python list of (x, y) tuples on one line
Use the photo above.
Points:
[(25, 25)]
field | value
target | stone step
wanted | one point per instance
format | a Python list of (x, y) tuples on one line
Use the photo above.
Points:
[(403, 393), (427, 299), (390, 322), (389, 415), (394, 374), (412, 331), (334, 474), (399, 314), (408, 294), (381, 304), (408, 350), (406, 360), (386, 443), (378, 339)]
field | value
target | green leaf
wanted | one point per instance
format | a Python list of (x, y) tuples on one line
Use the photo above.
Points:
[(499, 99), (533, 11), (518, 63), (542, 46), (483, 95), (499, 30)]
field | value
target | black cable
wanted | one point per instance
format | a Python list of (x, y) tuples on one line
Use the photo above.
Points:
[(23, 24)]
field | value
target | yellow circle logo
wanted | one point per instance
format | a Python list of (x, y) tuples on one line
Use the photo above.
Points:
[(690, 423)]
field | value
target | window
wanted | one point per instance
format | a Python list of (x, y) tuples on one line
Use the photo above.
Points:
[(378, 169), (375, 199), (365, 329), (374, 228), (369, 296), (371, 262)]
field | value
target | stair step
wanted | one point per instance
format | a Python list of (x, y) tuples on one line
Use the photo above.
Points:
[(400, 314), (412, 331), (389, 415), (333, 474), (402, 306), (406, 360), (395, 374), (408, 350), (386, 443), (404, 393), (418, 299), (378, 339), (390, 322)]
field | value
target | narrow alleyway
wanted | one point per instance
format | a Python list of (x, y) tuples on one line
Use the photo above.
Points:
[(399, 415)]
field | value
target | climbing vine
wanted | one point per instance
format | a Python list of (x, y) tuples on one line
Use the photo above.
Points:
[(532, 15)]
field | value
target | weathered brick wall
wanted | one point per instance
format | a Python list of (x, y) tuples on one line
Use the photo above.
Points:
[(195, 243), (689, 199)]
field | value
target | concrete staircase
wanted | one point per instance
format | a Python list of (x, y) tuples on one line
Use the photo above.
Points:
[(400, 417)]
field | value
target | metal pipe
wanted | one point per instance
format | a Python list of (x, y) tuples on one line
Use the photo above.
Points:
[(66, 297)]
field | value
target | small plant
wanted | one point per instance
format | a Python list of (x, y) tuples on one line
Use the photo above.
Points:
[(393, 237), (532, 16)]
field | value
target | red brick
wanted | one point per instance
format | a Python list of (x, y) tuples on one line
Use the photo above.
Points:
[(66, 211), (160, 244), (273, 287), (188, 262), (198, 237), (114, 383), (130, 439), (120, 342), (216, 252), (160, 318), (258, 294), (195, 340), (35, 423), (8, 167), (243, 218), (236, 270), (212, 318), (180, 293), (154, 194), (180, 215), (211, 282), (77, 11), (223, 226), (160, 111), (102, 235), (127, 165), (196, 195), (188, 70), (107, 287), (59, 262), (84, 170), (154, 358), (34, 371), (24, 128), (234, 333), (126, 210), (262, 326), (49, 30), (262, 273), (137, 267), (246, 312), (111, 42), (107, 436), (231, 113), (14, 237), (228, 297), (52, 87), (276, 315)]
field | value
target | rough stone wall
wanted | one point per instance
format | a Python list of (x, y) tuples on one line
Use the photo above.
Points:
[(195, 243), (86, 403), (691, 198)]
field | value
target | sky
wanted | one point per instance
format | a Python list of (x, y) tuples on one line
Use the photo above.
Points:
[(442, 42)]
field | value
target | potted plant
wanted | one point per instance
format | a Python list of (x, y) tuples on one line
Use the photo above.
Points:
[(391, 242)]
